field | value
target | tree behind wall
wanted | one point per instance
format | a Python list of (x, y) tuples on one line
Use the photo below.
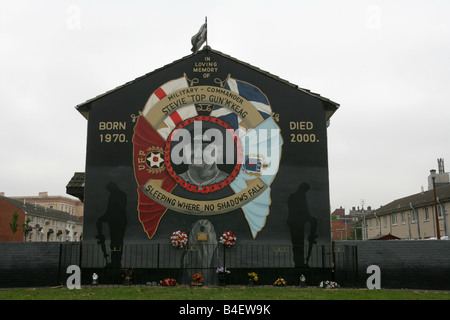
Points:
[(356, 231), (26, 228), (14, 224)]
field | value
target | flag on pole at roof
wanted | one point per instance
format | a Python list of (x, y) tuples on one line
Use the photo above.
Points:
[(199, 38)]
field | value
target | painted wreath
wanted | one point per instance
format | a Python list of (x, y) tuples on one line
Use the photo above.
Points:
[(228, 239), (179, 239)]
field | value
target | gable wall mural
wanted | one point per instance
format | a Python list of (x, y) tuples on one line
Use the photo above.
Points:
[(204, 146)]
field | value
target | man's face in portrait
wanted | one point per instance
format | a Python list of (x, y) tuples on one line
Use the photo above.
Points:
[(204, 154)]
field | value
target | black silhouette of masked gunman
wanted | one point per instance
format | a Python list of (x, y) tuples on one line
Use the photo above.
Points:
[(299, 215), (116, 219)]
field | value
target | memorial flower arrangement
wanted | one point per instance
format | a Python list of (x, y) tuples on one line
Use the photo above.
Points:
[(222, 275), (328, 284), (280, 282), (179, 239), (222, 271), (253, 276), (197, 278), (228, 239), (168, 282)]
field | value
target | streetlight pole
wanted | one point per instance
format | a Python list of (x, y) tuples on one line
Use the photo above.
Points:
[(346, 228), (379, 222), (341, 232), (364, 229), (433, 177)]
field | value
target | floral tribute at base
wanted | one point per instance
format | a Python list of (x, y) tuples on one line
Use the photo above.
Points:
[(280, 282), (168, 282)]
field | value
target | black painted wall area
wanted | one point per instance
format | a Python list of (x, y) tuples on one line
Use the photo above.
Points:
[(411, 264)]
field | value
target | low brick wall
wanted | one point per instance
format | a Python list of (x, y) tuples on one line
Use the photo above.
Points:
[(30, 264), (412, 264)]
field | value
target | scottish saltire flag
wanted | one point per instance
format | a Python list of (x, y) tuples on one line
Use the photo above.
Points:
[(250, 93), (181, 114), (199, 38)]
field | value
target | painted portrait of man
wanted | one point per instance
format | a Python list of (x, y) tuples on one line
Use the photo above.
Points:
[(203, 161)]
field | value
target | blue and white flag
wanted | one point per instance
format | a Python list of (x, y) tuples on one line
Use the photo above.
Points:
[(262, 155), (250, 93), (261, 150)]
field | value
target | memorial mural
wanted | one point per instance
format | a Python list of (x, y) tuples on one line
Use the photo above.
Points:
[(204, 146)]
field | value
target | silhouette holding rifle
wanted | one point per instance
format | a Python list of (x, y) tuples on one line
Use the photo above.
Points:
[(299, 215), (116, 219)]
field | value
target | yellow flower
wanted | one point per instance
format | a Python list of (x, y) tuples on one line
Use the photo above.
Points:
[(253, 275)]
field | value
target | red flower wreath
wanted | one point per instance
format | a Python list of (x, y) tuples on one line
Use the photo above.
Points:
[(179, 239), (228, 239)]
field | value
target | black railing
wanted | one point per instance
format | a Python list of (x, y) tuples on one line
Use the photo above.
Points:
[(346, 265), (205, 255)]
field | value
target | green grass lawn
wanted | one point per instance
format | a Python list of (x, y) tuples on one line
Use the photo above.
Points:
[(217, 293)]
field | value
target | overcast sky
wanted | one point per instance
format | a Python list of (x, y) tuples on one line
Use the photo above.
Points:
[(387, 63)]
